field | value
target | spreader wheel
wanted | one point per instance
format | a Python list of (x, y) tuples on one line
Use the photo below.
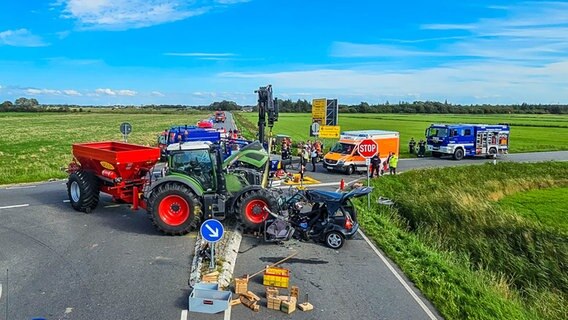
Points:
[(83, 191)]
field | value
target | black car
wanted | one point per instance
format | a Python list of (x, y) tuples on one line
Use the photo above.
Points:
[(331, 217)]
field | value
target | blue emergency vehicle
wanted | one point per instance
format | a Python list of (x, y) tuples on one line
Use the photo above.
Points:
[(467, 140)]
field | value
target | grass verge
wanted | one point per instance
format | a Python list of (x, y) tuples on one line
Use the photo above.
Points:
[(470, 256)]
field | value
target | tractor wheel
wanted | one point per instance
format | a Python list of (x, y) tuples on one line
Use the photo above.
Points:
[(250, 208), (172, 209), (83, 191), (458, 154)]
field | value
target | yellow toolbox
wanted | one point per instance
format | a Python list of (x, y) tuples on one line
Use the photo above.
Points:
[(276, 277)]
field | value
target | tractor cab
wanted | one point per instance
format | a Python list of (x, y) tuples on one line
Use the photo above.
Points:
[(196, 160)]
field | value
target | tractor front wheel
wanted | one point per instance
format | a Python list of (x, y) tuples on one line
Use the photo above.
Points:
[(83, 191), (172, 208), (250, 208)]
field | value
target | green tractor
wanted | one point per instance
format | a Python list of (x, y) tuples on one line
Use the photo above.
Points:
[(197, 184)]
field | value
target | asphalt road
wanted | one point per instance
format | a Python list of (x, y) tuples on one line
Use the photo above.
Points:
[(113, 264), (63, 264)]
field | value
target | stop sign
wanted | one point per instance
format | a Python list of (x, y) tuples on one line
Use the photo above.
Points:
[(368, 148)]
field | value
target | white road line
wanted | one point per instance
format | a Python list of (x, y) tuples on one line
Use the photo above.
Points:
[(66, 200), (20, 187), (399, 277), (183, 315), (0, 291), (15, 206)]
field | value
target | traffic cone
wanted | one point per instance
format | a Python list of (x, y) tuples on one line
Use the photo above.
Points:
[(342, 185)]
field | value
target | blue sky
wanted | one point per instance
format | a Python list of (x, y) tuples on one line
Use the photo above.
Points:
[(199, 51)]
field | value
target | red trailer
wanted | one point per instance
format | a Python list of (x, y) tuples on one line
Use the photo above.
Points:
[(118, 169)]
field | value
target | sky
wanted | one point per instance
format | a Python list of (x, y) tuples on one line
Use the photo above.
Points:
[(195, 52)]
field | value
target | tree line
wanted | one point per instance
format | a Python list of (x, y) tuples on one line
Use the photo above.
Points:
[(304, 106)]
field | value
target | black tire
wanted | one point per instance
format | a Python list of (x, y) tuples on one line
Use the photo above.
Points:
[(458, 154), (436, 154), (334, 240), (83, 191), (249, 208), (172, 209), (350, 170), (492, 153)]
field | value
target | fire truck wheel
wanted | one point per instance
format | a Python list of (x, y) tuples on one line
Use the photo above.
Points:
[(458, 154), (492, 153), (250, 208), (172, 209), (83, 191)]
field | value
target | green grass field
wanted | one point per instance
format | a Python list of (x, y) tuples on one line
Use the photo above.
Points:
[(528, 132), (473, 245), (546, 206), (34, 146)]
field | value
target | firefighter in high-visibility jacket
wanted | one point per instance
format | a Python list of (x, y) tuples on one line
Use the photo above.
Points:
[(393, 162)]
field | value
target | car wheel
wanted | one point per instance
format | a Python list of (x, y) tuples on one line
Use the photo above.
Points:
[(334, 239), (350, 170)]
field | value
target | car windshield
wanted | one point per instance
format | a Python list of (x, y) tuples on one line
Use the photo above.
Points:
[(343, 148), (437, 132)]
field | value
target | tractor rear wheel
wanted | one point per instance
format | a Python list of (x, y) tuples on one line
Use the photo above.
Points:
[(172, 209), (83, 191), (250, 208)]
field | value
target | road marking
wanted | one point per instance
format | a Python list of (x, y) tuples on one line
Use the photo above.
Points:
[(20, 187), (183, 315), (399, 277), (15, 206), (66, 200)]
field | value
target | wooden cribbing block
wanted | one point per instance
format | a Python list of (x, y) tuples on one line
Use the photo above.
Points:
[(234, 302), (306, 306), (273, 303), (241, 285), (251, 296), (288, 306), (271, 292), (249, 303), (295, 292)]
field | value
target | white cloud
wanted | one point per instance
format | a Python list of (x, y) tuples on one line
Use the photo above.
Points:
[(72, 93), (111, 92), (107, 92), (129, 93), (157, 94), (51, 92), (460, 82), (127, 14), (21, 38)]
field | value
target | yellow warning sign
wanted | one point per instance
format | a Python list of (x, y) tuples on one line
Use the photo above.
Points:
[(318, 109), (329, 132)]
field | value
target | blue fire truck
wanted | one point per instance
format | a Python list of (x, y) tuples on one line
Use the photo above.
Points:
[(467, 140)]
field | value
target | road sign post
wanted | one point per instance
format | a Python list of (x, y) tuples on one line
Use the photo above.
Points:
[(125, 129), (368, 148), (212, 231)]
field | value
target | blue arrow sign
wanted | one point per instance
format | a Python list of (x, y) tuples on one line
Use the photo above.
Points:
[(212, 230)]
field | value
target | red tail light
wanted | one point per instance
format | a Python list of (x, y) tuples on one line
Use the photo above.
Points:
[(348, 223)]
